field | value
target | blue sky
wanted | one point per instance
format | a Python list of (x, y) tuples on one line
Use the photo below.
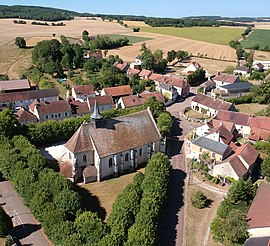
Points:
[(164, 8)]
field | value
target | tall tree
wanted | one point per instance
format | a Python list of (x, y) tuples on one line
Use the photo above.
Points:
[(19, 41)]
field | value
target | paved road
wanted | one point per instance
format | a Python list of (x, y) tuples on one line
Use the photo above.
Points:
[(172, 224), (26, 229)]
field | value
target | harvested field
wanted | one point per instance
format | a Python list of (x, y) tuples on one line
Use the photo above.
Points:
[(136, 24), (262, 55), (167, 43), (132, 39), (262, 25), (215, 35), (34, 40)]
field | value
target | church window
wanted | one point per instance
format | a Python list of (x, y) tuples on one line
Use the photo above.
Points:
[(84, 158), (140, 152), (110, 162), (126, 157)]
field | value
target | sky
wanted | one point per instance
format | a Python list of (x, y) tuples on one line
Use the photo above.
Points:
[(158, 8)]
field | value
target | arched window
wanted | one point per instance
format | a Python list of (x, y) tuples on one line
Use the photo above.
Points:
[(140, 152), (126, 157), (110, 162), (84, 158)]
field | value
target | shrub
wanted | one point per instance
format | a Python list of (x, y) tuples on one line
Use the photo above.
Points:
[(199, 200), (215, 180), (5, 223)]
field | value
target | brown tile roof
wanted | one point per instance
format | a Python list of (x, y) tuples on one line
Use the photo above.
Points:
[(80, 141), (52, 107), (84, 89), (260, 128), (234, 117), (122, 90), (109, 136), (97, 54), (133, 71), (101, 100), (9, 85), (227, 78), (154, 76), (211, 102), (258, 214), (147, 94), (215, 123), (79, 107), (145, 73), (174, 81), (90, 171), (122, 66), (248, 153), (28, 95), (224, 133), (25, 116), (66, 169), (258, 134), (133, 101), (238, 166)]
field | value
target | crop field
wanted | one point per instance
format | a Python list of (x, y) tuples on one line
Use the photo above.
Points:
[(257, 37), (34, 40), (136, 23), (215, 35), (132, 39)]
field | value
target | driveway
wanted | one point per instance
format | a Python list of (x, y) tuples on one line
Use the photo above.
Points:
[(172, 221), (26, 229)]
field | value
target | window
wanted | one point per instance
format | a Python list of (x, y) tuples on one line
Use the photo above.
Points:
[(140, 152), (110, 162), (200, 149), (213, 155), (69, 155), (126, 157), (46, 117), (66, 114), (84, 158), (59, 115)]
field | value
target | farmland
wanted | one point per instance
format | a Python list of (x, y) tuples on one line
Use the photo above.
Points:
[(132, 39), (215, 35), (257, 37)]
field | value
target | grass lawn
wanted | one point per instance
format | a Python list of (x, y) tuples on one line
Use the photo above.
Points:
[(106, 191), (132, 39), (251, 108), (215, 35), (260, 37)]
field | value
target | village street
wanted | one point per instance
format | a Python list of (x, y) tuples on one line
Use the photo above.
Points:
[(172, 225)]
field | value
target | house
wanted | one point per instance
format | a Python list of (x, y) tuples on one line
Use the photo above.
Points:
[(207, 86), (241, 70), (138, 100), (264, 64), (233, 89), (82, 92), (98, 149), (137, 64), (209, 105), (168, 91), (104, 103), (240, 120), (117, 91), (258, 215), (133, 71), (225, 79), (155, 76), (123, 67), (15, 85), (25, 117), (145, 74), (192, 67), (260, 128), (79, 108), (55, 110), (24, 98), (238, 165), (217, 151), (258, 67)]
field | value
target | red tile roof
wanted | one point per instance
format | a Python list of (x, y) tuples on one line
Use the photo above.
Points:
[(10, 85), (122, 66), (133, 71), (25, 116), (84, 90), (51, 107), (211, 102), (79, 107), (147, 94), (238, 166), (66, 169), (145, 73), (260, 128), (234, 117), (215, 123), (258, 214), (122, 90), (248, 153), (154, 76), (227, 78), (224, 133), (101, 100)]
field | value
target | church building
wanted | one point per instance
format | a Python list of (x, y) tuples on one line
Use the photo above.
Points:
[(108, 147)]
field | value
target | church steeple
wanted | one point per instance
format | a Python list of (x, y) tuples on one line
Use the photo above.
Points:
[(96, 115)]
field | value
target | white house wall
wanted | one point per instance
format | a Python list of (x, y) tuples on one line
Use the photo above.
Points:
[(260, 232), (224, 170)]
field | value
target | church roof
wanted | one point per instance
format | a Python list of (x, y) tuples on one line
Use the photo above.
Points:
[(115, 135)]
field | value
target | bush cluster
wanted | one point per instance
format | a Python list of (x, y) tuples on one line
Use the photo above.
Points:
[(199, 200)]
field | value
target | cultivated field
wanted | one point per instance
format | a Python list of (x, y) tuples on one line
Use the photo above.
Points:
[(262, 55), (251, 108), (166, 43), (257, 37), (132, 39), (215, 35), (34, 40), (262, 25), (136, 24)]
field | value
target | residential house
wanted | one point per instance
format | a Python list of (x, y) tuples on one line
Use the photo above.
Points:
[(155, 76), (79, 108), (217, 151), (233, 90), (105, 148), (240, 120), (209, 105), (258, 215), (55, 110), (260, 128), (82, 92), (104, 103), (15, 85), (241, 70), (137, 64), (123, 67), (264, 64), (225, 79), (117, 92), (133, 71), (168, 91), (25, 117), (145, 74), (24, 98), (138, 100), (207, 86), (96, 54), (258, 67), (238, 165), (192, 67)]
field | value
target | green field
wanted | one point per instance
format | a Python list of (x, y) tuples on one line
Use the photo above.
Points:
[(215, 35), (257, 37), (132, 39)]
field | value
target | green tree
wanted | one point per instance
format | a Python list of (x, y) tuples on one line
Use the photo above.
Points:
[(165, 124), (20, 42), (181, 55), (5, 223), (266, 167), (9, 124), (4, 77), (197, 77), (171, 55), (199, 200), (230, 69), (156, 106)]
